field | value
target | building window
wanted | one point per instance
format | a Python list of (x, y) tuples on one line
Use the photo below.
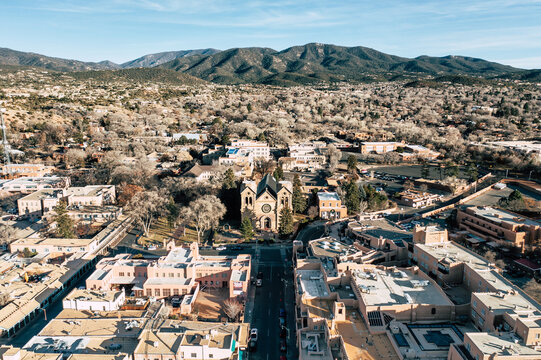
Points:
[(194, 355), (156, 292), (433, 310)]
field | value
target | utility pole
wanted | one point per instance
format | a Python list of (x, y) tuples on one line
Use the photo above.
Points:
[(7, 160)]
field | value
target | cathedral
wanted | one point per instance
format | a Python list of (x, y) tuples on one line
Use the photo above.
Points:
[(265, 201)]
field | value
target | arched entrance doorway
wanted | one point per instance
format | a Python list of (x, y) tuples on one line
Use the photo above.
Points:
[(267, 223)]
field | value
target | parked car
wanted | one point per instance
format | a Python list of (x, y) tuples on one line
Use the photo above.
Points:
[(259, 282), (253, 334), (282, 321), (282, 312), (221, 248), (283, 332), (283, 346)]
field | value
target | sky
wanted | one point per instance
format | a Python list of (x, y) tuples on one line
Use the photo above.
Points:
[(506, 31)]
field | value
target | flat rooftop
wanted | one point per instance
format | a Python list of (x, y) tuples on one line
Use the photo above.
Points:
[(509, 301), (314, 345), (498, 216), (329, 247), (92, 327), (324, 196), (53, 242), (392, 286), (44, 194), (312, 283), (452, 253), (501, 345), (354, 334), (91, 295), (380, 227)]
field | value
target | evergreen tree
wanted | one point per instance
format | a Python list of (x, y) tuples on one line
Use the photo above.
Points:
[(352, 197), (286, 222), (172, 212), (261, 137), (225, 140), (451, 169), (362, 192), (352, 164), (298, 198), (247, 229), (278, 173), (229, 180), (64, 224), (472, 172), (425, 171)]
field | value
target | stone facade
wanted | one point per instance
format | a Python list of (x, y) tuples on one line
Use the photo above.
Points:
[(265, 200)]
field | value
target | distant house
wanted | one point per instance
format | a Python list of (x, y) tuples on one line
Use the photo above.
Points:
[(330, 206), (25, 170), (204, 172), (417, 199), (208, 172), (245, 152), (381, 147)]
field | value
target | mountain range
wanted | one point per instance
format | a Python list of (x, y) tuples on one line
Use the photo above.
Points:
[(307, 64)]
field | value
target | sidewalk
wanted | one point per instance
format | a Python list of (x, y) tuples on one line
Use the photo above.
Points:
[(249, 310)]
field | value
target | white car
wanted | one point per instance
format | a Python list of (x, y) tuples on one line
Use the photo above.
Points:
[(253, 334), (221, 248), (259, 282)]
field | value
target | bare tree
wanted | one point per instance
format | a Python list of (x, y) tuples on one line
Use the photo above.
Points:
[(334, 156), (145, 207), (7, 233), (5, 298), (204, 213), (263, 167), (533, 288), (75, 158), (232, 308)]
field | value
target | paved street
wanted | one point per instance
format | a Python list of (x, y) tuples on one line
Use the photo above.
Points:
[(276, 292)]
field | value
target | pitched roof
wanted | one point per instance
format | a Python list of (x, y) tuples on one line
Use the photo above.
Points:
[(268, 183)]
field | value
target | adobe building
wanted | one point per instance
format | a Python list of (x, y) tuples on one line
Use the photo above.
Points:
[(500, 226), (265, 201), (330, 206), (182, 272)]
